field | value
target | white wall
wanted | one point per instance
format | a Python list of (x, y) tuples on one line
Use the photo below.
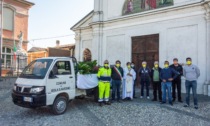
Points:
[(115, 48)]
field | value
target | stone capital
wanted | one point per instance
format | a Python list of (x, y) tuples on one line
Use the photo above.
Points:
[(77, 36), (97, 12), (207, 8)]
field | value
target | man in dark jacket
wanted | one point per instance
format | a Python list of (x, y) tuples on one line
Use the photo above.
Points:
[(117, 76), (144, 73), (156, 81), (167, 75), (176, 84)]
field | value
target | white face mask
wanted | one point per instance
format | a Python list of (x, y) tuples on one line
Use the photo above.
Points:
[(132, 65)]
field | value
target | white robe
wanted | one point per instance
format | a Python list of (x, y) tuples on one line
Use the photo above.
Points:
[(128, 81)]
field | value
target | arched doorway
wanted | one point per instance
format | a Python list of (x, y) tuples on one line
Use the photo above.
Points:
[(87, 55)]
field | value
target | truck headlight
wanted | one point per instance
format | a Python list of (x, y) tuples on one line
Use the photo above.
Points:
[(15, 87), (35, 90)]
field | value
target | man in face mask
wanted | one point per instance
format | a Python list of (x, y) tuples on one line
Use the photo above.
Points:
[(129, 77), (134, 86), (167, 75), (117, 77), (156, 81), (191, 73), (176, 84), (144, 73), (104, 76)]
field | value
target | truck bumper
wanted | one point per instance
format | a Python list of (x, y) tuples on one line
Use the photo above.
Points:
[(36, 100)]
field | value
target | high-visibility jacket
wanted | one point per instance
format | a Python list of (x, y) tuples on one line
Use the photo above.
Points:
[(104, 74)]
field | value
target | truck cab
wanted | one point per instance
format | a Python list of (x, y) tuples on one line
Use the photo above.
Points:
[(47, 82)]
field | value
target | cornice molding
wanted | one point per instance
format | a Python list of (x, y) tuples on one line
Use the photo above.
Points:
[(207, 8)]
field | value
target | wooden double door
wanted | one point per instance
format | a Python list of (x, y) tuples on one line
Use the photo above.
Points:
[(145, 48)]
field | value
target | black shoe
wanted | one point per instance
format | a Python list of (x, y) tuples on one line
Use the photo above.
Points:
[(186, 105), (112, 101), (174, 100), (119, 101), (107, 103), (100, 104), (134, 97), (162, 102), (154, 99), (129, 99), (180, 101), (171, 103), (196, 107)]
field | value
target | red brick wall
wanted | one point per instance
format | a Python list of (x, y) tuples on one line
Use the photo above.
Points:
[(7, 34), (20, 24)]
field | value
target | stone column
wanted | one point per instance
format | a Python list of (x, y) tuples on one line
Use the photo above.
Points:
[(97, 44), (98, 7), (207, 83), (78, 45), (97, 25)]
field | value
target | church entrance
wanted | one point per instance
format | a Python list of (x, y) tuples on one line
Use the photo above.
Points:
[(145, 48)]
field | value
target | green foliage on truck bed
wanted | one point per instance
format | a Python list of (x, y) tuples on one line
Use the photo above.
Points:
[(89, 67)]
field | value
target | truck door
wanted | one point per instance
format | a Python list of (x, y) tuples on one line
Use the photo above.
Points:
[(61, 80)]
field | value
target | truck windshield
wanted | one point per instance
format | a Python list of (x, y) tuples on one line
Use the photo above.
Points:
[(36, 69)]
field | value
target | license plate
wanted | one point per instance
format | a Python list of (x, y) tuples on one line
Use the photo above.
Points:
[(27, 99)]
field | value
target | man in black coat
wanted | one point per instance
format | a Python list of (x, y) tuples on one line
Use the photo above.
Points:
[(144, 73), (156, 81), (117, 77), (176, 84)]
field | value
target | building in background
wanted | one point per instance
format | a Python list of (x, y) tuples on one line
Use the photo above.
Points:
[(57, 51), (138, 30), (15, 19)]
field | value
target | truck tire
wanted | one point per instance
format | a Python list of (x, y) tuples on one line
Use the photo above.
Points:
[(96, 94), (60, 105)]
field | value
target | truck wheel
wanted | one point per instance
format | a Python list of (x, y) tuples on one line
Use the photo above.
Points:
[(60, 105), (96, 94)]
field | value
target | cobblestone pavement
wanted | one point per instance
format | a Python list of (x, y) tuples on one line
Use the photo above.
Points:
[(139, 112)]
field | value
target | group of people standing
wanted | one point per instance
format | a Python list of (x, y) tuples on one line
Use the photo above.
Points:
[(164, 80)]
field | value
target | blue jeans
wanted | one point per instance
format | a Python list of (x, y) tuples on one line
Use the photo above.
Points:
[(189, 85), (166, 86), (116, 87)]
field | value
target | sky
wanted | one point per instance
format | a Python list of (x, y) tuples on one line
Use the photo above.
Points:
[(53, 18)]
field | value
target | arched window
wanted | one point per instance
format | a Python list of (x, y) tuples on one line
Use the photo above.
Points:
[(8, 19), (87, 55), (7, 57)]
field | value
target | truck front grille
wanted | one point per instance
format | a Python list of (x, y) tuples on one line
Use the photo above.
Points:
[(23, 89), (26, 90)]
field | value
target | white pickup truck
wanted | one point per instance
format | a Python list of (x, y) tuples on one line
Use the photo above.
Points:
[(48, 82)]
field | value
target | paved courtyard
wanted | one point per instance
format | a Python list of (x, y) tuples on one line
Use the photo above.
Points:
[(139, 112)]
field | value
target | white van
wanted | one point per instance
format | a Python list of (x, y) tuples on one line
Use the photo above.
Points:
[(47, 82)]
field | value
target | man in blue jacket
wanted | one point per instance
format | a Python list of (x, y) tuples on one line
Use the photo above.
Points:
[(167, 75)]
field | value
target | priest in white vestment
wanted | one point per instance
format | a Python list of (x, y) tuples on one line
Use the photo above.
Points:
[(128, 82)]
